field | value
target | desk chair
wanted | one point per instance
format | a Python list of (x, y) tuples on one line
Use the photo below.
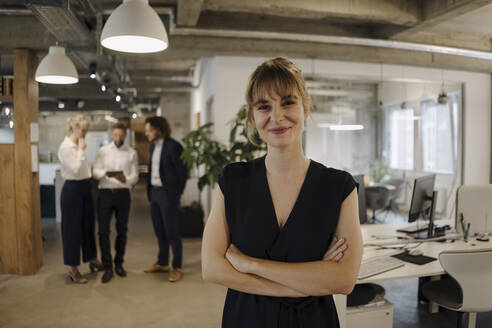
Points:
[(471, 287), (474, 202), (377, 198), (395, 194)]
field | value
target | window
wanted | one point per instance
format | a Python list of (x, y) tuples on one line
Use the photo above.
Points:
[(401, 136), (439, 136)]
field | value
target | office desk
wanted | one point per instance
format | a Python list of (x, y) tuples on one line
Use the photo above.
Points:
[(409, 270)]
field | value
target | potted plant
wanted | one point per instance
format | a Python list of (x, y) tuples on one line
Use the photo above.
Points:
[(201, 150), (191, 220)]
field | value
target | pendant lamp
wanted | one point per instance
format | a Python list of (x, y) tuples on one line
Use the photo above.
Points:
[(134, 27), (56, 68)]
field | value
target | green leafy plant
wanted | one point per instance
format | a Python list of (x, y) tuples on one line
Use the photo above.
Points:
[(201, 150)]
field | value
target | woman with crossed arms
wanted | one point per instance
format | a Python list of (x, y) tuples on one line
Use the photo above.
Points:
[(271, 234)]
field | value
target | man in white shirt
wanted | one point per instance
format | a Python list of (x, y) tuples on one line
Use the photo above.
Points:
[(116, 168)]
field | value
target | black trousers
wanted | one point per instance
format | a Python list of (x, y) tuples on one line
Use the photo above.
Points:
[(164, 211), (77, 225), (109, 201)]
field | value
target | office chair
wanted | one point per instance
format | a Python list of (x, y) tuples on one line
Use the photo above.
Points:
[(377, 197), (470, 287), (473, 201), (399, 185)]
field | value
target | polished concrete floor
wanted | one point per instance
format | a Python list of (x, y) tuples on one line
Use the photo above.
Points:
[(48, 299)]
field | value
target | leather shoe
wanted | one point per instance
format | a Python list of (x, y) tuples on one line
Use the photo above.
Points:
[(120, 271), (108, 275), (157, 268), (175, 275)]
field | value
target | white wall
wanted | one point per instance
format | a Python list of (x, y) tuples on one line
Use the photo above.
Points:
[(232, 74), (205, 90)]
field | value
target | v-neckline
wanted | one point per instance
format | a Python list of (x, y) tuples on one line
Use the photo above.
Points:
[(270, 199)]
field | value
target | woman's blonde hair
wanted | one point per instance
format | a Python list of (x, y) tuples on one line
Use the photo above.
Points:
[(77, 121), (279, 75)]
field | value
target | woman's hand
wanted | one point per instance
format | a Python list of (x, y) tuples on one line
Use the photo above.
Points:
[(336, 249), (239, 260), (82, 144)]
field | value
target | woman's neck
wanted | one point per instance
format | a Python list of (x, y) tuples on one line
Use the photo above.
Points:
[(74, 138), (286, 161)]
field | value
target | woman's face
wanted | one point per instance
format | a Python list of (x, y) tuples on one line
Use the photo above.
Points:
[(80, 132), (279, 119)]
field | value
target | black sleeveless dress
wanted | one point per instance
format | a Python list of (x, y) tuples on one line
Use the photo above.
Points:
[(305, 237)]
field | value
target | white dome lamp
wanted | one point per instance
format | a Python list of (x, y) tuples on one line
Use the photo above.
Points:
[(134, 27), (56, 68)]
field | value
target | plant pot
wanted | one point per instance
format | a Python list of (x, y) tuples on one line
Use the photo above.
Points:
[(190, 221)]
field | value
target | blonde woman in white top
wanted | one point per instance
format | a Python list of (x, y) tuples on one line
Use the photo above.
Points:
[(76, 201)]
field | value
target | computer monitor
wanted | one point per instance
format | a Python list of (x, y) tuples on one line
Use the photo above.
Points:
[(423, 202)]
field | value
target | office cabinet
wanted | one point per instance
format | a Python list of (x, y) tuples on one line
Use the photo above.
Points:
[(372, 315)]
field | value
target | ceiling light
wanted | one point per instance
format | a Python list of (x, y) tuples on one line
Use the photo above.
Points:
[(56, 68), (134, 115), (442, 98), (341, 127), (407, 118), (7, 111), (61, 105), (117, 98), (104, 88), (11, 124), (92, 68), (80, 104), (134, 27)]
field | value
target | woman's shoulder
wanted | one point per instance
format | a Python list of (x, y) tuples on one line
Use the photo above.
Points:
[(241, 169), (340, 182), (330, 172)]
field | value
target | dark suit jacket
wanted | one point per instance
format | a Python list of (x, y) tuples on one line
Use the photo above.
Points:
[(172, 170)]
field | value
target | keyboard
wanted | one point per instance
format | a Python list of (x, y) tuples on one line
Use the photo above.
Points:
[(378, 264), (414, 228)]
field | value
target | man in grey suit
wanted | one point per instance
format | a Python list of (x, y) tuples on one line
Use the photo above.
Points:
[(165, 184)]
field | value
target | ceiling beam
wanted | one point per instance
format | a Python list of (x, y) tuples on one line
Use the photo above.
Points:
[(23, 32), (89, 105), (401, 12), (438, 11), (203, 46), (159, 73), (449, 39), (268, 22), (189, 12), (84, 89)]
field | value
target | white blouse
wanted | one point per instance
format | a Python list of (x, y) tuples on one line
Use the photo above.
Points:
[(74, 163)]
